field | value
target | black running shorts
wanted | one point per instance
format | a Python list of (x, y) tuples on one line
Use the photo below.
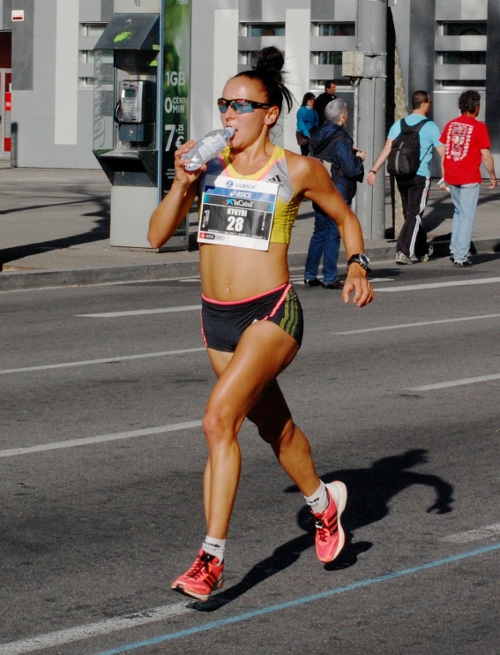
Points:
[(223, 323)]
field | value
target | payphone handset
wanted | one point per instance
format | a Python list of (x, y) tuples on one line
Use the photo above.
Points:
[(135, 102)]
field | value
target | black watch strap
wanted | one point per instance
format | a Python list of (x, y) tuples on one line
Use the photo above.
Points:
[(360, 259)]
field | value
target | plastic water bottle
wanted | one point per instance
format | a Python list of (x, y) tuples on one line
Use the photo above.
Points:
[(207, 148)]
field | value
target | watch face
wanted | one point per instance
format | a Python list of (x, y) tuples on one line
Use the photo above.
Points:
[(363, 259)]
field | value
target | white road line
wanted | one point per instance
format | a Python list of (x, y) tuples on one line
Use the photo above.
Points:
[(411, 325), (140, 312), (441, 285), (473, 535), (299, 278), (117, 436), (107, 360), (94, 629), (455, 383)]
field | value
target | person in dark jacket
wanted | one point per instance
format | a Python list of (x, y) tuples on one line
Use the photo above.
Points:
[(334, 146), (324, 98)]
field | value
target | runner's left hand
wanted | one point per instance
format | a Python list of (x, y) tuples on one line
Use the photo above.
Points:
[(356, 282)]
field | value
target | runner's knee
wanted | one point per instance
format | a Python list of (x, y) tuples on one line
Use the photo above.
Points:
[(220, 423)]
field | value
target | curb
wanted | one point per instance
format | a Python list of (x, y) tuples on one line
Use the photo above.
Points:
[(15, 281)]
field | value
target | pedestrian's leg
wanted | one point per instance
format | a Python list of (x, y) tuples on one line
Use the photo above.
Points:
[(332, 249), (316, 246), (416, 197), (466, 198), (403, 192), (455, 197)]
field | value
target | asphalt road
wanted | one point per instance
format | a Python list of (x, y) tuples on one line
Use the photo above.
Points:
[(101, 460)]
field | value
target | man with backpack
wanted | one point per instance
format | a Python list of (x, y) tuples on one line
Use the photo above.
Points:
[(409, 149)]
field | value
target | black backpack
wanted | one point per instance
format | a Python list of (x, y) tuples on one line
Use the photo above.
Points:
[(404, 158)]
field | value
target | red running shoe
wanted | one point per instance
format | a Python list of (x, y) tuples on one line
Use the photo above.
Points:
[(202, 578), (330, 537)]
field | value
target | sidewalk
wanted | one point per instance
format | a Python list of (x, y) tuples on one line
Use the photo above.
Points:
[(54, 230)]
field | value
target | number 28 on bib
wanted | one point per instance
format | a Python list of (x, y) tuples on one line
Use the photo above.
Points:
[(237, 212)]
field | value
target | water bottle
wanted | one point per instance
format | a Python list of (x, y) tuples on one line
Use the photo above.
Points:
[(207, 148)]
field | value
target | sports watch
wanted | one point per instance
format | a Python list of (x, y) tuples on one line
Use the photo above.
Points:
[(360, 259)]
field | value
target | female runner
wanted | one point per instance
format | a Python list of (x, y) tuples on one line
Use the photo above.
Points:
[(251, 316)]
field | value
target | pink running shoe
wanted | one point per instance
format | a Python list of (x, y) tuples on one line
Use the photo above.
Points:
[(330, 537), (202, 578)]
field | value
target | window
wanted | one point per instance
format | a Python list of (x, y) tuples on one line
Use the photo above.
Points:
[(335, 29), (475, 28), (263, 29), (92, 29), (248, 58), (460, 84), (86, 82), (319, 85), (327, 57), (462, 57), (88, 56)]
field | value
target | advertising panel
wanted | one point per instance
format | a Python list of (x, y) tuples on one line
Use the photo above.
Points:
[(176, 66)]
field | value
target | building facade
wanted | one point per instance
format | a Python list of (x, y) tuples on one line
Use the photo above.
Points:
[(444, 46)]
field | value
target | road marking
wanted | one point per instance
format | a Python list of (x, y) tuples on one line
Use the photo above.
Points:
[(473, 535), (61, 637), (411, 325), (117, 436), (300, 278), (141, 312), (55, 638), (441, 285), (107, 360), (456, 383)]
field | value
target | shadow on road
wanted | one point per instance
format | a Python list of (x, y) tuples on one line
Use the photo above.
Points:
[(370, 491), (99, 231)]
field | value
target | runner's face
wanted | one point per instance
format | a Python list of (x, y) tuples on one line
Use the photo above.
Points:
[(249, 126)]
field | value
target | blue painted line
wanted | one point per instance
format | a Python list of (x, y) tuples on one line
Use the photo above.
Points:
[(300, 601)]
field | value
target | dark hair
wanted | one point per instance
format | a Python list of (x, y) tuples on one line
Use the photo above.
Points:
[(307, 96), (267, 71), (328, 83), (469, 101), (418, 98)]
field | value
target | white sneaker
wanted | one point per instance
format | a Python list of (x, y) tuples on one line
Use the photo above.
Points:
[(403, 259)]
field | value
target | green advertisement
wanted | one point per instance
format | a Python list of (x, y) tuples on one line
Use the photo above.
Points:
[(176, 67)]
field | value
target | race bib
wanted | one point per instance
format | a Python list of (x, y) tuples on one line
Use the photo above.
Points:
[(237, 212)]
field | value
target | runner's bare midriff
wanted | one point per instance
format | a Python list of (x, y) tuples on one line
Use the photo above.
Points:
[(230, 273)]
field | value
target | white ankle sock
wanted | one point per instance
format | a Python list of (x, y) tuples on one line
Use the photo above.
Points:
[(318, 502), (215, 547)]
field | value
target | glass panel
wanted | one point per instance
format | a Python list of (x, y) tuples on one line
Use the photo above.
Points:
[(329, 58), (104, 103), (93, 29), (319, 85), (474, 28), (249, 58), (87, 56), (266, 29), (461, 84), (463, 57), (336, 29)]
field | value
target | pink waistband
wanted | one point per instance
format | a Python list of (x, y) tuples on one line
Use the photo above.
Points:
[(287, 286)]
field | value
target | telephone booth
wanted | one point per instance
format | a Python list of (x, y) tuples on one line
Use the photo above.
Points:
[(133, 95)]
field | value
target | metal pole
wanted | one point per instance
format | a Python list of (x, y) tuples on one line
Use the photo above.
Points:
[(371, 28)]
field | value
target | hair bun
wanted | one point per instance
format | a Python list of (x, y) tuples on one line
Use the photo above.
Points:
[(270, 61)]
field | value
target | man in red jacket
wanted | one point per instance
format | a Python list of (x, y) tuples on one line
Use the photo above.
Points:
[(466, 144)]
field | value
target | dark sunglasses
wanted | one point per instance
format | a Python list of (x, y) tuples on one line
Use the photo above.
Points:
[(240, 105)]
